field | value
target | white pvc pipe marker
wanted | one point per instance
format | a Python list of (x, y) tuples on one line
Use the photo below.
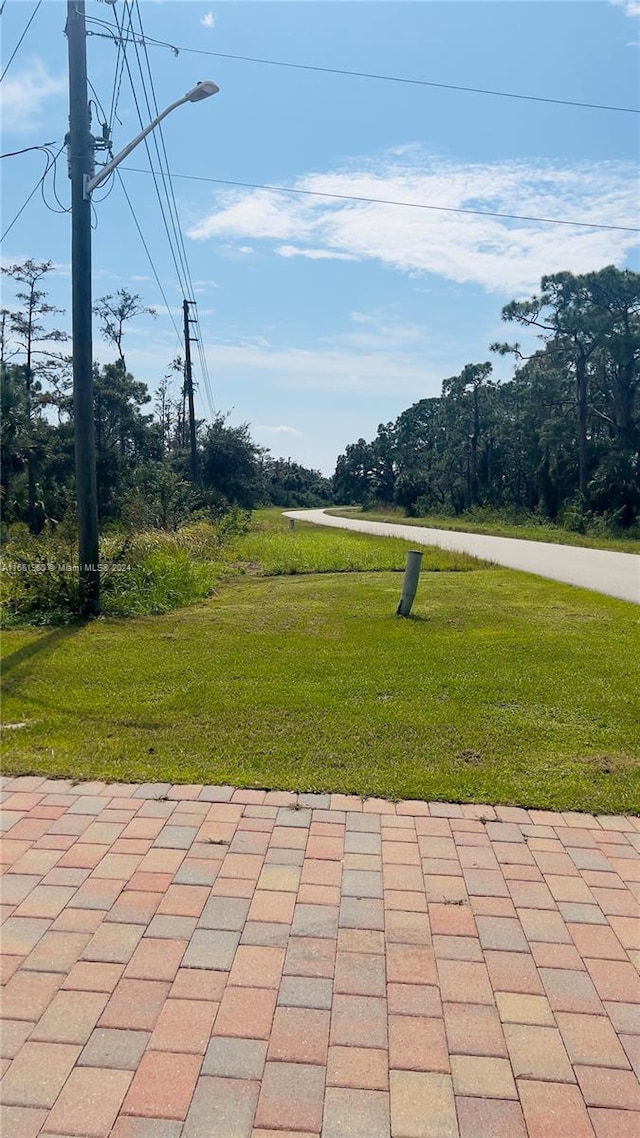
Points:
[(410, 583)]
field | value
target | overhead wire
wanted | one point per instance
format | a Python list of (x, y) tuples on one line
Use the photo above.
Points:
[(114, 103), (117, 83), (26, 149), (161, 153), (149, 257), (177, 228), (151, 170), (168, 207), (377, 76), (110, 182), (46, 147), (393, 202), (138, 38), (50, 161), (17, 47), (173, 244), (53, 168), (173, 207)]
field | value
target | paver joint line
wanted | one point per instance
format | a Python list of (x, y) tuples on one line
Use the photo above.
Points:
[(182, 960)]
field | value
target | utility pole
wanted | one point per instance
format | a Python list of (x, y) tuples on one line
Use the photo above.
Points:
[(81, 149), (188, 379)]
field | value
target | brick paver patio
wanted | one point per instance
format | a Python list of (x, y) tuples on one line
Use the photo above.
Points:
[(204, 962)]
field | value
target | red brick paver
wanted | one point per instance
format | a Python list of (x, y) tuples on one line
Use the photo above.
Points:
[(187, 960)]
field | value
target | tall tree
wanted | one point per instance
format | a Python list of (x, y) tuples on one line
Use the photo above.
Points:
[(231, 464), (27, 323), (125, 436), (114, 311), (572, 325)]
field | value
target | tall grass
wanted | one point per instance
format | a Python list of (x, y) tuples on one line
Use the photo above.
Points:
[(145, 573)]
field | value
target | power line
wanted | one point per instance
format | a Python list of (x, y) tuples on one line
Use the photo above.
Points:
[(117, 82), (380, 77), (163, 161), (182, 271), (149, 257), (26, 149), (51, 161), (389, 201), (15, 50), (54, 186), (176, 243), (173, 210), (151, 170)]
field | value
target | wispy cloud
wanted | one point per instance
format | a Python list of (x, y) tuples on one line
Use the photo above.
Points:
[(502, 255), (23, 95), (208, 21), (281, 430), (314, 254), (204, 285)]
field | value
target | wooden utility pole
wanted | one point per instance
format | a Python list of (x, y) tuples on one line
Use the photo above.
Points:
[(80, 142), (188, 379)]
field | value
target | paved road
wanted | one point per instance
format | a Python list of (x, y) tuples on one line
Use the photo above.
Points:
[(182, 961), (616, 574)]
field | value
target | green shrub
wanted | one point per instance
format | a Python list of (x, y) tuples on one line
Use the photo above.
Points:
[(145, 573)]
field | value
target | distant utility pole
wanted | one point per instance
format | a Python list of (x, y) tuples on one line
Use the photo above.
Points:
[(81, 164), (188, 379)]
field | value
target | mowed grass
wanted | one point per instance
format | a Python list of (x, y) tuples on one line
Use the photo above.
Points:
[(501, 688), (273, 549), (497, 527)]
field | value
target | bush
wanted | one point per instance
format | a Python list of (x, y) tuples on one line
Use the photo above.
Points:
[(145, 573)]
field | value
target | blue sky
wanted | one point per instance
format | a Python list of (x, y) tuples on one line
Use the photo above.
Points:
[(320, 317)]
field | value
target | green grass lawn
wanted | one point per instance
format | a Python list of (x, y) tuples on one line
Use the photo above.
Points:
[(501, 688), (527, 531)]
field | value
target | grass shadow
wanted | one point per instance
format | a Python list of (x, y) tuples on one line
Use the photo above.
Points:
[(43, 644)]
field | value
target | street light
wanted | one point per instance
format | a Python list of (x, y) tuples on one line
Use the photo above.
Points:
[(81, 148), (195, 95)]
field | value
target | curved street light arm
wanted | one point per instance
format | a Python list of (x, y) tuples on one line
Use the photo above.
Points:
[(195, 95)]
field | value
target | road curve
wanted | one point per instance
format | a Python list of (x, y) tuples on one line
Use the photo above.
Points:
[(616, 574)]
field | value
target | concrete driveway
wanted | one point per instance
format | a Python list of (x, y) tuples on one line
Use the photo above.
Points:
[(616, 574)]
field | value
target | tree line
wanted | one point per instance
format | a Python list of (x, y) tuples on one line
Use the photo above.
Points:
[(560, 439), (142, 443)]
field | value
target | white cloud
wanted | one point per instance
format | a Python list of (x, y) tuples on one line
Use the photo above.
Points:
[(314, 254), (23, 95), (208, 21), (502, 255), (259, 214), (282, 430), (631, 8)]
